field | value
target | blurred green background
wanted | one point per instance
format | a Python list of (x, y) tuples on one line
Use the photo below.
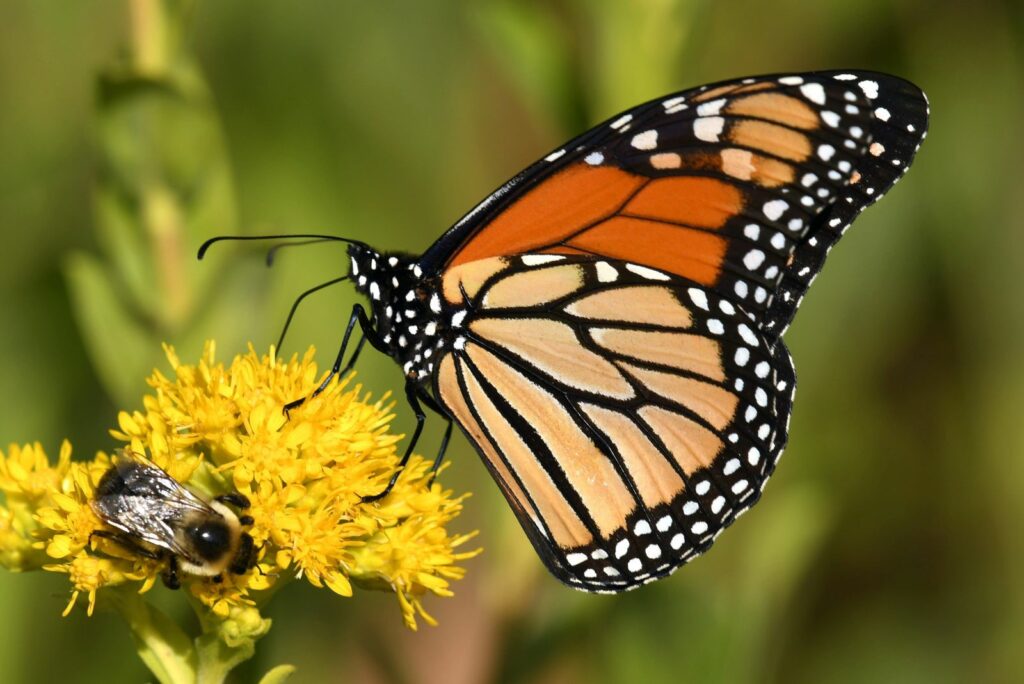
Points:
[(888, 546)]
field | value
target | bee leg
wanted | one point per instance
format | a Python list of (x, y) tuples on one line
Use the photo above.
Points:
[(217, 579), (170, 574), (246, 520), (245, 558), (127, 542), (410, 395), (239, 501), (265, 574)]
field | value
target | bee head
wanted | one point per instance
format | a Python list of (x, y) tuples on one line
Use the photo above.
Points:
[(210, 539)]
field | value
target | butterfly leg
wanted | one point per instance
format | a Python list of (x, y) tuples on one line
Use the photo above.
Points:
[(421, 417), (295, 306), (368, 333), (436, 408), (355, 355)]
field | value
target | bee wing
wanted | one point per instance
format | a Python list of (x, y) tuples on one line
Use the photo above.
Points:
[(144, 479), (148, 503)]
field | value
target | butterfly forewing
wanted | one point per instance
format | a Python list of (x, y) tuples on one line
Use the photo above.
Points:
[(741, 187), (629, 415)]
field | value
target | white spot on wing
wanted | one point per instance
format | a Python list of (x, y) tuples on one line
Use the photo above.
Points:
[(554, 155), (538, 259), (576, 558), (645, 272), (708, 128), (813, 92), (773, 209), (753, 259), (748, 335), (711, 108), (606, 273), (698, 297), (648, 140), (621, 121), (870, 88)]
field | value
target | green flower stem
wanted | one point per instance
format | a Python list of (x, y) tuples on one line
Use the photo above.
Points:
[(225, 642), (156, 32), (161, 644), (175, 657), (164, 223), (217, 659)]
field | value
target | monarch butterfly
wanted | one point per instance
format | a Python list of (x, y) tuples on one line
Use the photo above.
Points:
[(605, 327)]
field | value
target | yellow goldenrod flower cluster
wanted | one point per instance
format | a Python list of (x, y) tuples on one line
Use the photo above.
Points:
[(220, 429)]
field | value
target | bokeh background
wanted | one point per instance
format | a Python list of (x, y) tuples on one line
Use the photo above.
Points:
[(888, 546)]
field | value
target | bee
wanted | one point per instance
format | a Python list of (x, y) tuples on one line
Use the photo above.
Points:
[(152, 515)]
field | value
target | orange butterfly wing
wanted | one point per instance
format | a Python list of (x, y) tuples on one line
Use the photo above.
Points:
[(741, 187)]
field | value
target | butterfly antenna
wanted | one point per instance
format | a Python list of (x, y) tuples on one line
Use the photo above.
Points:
[(295, 306), (239, 238), (272, 252)]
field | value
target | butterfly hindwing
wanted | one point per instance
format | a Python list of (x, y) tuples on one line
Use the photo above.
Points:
[(628, 415), (741, 187)]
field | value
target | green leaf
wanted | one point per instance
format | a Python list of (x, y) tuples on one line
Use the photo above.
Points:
[(278, 675), (122, 350)]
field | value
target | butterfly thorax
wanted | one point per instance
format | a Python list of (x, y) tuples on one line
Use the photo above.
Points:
[(400, 301)]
